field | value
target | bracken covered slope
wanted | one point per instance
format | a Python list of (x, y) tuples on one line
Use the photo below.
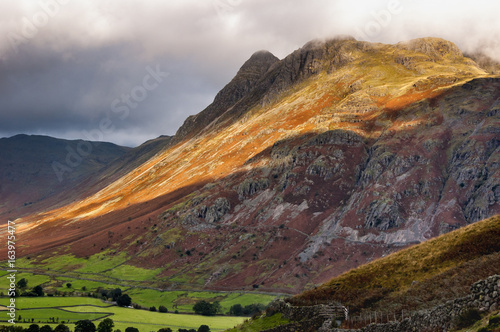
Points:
[(301, 169)]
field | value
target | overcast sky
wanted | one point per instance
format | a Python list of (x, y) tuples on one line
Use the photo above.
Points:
[(126, 71)]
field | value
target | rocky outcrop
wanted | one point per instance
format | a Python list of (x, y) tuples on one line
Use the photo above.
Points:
[(251, 186), (216, 211)]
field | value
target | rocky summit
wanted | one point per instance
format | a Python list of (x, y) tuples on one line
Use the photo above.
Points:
[(301, 169)]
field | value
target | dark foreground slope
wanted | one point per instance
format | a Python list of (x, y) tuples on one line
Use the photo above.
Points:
[(302, 169), (424, 276), (418, 277)]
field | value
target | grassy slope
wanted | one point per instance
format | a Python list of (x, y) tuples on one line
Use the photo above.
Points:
[(260, 323), (439, 269)]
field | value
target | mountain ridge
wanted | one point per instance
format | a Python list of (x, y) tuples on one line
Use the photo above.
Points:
[(339, 153)]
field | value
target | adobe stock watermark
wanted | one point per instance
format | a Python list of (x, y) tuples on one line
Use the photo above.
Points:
[(30, 26), (381, 19), (120, 108), (225, 7)]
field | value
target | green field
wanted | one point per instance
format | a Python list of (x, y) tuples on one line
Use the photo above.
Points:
[(106, 270), (66, 316), (183, 301), (73, 309), (44, 302)]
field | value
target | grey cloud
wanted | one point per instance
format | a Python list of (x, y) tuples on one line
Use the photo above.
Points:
[(63, 79)]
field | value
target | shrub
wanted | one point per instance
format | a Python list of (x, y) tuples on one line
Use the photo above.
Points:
[(153, 308), (162, 308)]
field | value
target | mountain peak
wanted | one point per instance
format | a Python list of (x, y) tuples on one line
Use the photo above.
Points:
[(245, 81), (434, 47), (258, 63)]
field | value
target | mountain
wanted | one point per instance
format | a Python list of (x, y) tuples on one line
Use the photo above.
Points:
[(41, 172), (301, 169), (35, 169)]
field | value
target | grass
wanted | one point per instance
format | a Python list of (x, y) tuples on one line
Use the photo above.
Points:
[(147, 320), (128, 272), (76, 308), (33, 280), (78, 284), (261, 323), (433, 268), (43, 315), (184, 301), (44, 302)]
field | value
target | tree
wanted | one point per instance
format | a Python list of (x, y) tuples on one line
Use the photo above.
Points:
[(252, 309), (162, 308), (131, 329), (68, 285), (207, 309), (115, 294), (236, 310), (204, 328), (38, 290), (165, 329), (23, 283), (216, 307), (61, 328), (106, 325), (85, 326), (124, 300), (153, 308), (33, 328), (46, 328)]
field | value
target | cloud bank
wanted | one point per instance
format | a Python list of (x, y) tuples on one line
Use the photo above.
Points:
[(65, 63)]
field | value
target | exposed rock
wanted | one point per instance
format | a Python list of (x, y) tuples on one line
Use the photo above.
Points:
[(216, 211), (251, 186)]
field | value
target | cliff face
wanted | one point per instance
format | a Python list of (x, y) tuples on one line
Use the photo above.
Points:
[(303, 168)]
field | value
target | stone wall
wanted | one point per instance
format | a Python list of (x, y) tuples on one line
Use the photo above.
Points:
[(304, 319), (294, 313), (484, 297)]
